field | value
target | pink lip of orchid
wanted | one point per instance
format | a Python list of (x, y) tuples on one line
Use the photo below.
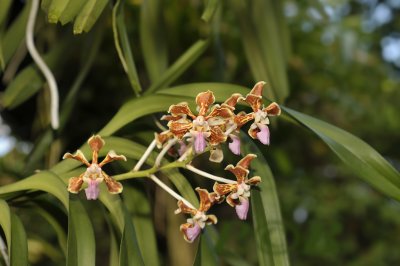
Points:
[(234, 146), (263, 135), (239, 192), (242, 208), (94, 175)]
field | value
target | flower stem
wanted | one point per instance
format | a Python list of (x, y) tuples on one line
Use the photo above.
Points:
[(145, 156), (164, 151), (208, 175), (3, 250), (170, 191), (51, 81)]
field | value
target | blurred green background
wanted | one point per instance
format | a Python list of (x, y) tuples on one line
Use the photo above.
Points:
[(343, 67)]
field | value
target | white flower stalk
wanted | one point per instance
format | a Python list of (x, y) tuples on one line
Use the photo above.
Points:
[(165, 149), (208, 175), (170, 191), (54, 116), (145, 155)]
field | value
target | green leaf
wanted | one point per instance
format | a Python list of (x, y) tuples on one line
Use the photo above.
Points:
[(15, 34), (19, 244), (55, 10), (206, 254), (71, 11), (268, 224), (81, 242), (29, 81), (139, 207), (4, 8), (5, 223), (179, 66), (44, 181), (265, 54), (136, 108), (89, 15), (122, 45), (209, 10), (360, 157), (152, 38)]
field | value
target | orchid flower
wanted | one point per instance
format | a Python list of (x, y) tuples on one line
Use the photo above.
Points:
[(94, 174), (239, 192), (204, 128), (192, 228), (259, 129)]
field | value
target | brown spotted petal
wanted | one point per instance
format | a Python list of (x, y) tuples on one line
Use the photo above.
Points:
[(205, 201), (114, 187), (216, 154), (79, 156), (112, 156), (217, 136), (96, 143), (255, 101), (223, 189), (253, 130), (240, 172), (220, 111), (75, 184), (182, 207), (254, 180), (233, 100), (258, 88), (162, 138), (242, 118), (231, 201), (273, 109), (245, 162), (203, 101), (179, 128), (211, 219), (180, 110), (170, 117)]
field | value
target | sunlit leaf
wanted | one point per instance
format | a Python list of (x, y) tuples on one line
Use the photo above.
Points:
[(5, 222)]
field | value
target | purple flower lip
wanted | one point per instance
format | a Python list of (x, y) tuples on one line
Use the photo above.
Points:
[(242, 209), (199, 142), (234, 146), (92, 192), (193, 232), (263, 134)]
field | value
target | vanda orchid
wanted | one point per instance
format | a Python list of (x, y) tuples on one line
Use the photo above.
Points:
[(94, 175), (190, 135)]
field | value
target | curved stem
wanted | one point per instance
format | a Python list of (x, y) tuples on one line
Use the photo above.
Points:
[(164, 151), (210, 176), (145, 155), (170, 191), (51, 81)]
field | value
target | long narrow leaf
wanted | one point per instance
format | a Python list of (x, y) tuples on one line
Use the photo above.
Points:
[(19, 244), (270, 233), (122, 45), (89, 15), (360, 157), (5, 223), (81, 242), (152, 38)]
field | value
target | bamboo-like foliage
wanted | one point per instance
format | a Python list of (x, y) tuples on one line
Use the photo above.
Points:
[(131, 233)]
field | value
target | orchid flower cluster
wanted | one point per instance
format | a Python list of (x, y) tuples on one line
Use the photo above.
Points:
[(188, 135)]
